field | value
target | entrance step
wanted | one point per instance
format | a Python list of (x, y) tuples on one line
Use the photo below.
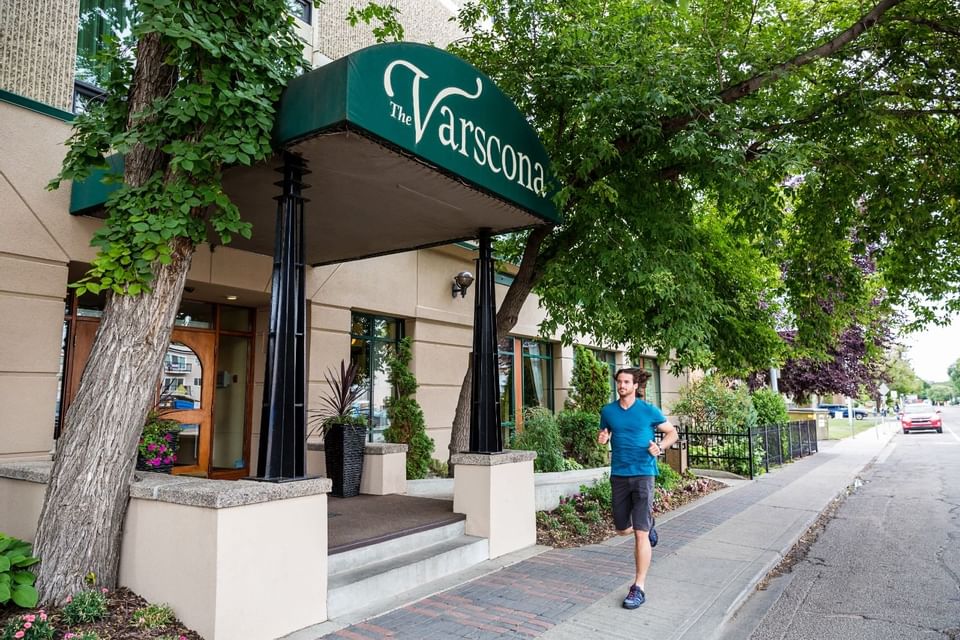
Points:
[(360, 577)]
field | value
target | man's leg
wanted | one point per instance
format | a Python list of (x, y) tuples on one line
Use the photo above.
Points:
[(643, 554)]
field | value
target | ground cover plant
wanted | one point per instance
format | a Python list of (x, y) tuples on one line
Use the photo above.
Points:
[(95, 614), (586, 517)]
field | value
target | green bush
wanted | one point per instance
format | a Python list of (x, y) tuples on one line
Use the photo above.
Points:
[(86, 606), (153, 616), (578, 430), (601, 492), (711, 405), (406, 416), (770, 406), (731, 448), (541, 434), (667, 478), (16, 581), (590, 381)]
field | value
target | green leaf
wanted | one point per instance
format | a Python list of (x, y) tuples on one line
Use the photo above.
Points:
[(24, 577), (25, 596), (4, 593), (4, 563)]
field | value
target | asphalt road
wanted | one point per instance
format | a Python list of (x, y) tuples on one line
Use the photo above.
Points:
[(887, 565)]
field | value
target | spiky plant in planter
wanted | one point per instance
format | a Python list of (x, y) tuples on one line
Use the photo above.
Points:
[(344, 429)]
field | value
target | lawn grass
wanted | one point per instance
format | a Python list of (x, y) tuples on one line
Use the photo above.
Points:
[(839, 428)]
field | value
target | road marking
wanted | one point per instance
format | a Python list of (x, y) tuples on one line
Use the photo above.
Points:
[(950, 431)]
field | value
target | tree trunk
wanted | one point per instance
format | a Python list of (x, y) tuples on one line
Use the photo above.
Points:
[(86, 500), (523, 283)]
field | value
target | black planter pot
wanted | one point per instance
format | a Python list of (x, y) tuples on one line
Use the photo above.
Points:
[(163, 468), (343, 449)]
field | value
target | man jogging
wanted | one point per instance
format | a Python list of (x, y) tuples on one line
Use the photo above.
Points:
[(629, 425)]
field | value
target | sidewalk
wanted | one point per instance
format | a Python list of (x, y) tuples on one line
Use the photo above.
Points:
[(710, 557)]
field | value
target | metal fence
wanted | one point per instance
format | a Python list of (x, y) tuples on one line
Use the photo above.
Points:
[(746, 453)]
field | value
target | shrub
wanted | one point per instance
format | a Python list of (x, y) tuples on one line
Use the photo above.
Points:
[(601, 492), (711, 405), (590, 381), (667, 478), (731, 448), (578, 430), (83, 635), (770, 406), (86, 606), (29, 626), (569, 464), (438, 468), (16, 581), (406, 416), (153, 616), (541, 434)]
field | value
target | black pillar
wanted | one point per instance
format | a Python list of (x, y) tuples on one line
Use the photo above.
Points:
[(282, 420), (485, 434)]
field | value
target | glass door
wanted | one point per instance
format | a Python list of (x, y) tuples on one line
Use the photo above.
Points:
[(186, 395)]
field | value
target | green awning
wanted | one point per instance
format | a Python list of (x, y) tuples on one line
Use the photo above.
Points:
[(408, 146)]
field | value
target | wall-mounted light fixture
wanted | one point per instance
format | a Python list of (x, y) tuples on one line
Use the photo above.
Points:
[(462, 282)]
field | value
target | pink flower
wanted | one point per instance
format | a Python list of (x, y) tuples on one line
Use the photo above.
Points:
[(104, 590), (168, 460), (151, 447), (69, 599), (29, 617), (168, 437), (18, 634), (43, 616), (27, 625)]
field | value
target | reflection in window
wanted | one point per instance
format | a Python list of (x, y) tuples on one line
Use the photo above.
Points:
[(537, 374), (506, 377), (652, 390), (98, 20), (534, 369), (373, 339), (181, 371)]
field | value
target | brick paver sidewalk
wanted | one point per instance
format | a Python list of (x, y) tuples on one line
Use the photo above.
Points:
[(526, 599)]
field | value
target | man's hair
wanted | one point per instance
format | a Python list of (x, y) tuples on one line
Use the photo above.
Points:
[(640, 376)]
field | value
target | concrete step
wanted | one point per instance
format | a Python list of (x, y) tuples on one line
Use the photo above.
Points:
[(408, 566), (340, 561)]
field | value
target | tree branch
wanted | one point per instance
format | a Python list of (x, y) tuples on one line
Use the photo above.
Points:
[(933, 25)]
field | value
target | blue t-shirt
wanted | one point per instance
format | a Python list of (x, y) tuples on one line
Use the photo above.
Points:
[(631, 431)]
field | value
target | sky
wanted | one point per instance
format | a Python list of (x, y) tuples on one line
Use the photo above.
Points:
[(932, 350)]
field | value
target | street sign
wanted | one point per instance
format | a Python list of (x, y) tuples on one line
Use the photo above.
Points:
[(883, 388)]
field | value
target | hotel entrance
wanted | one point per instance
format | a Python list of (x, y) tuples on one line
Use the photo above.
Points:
[(206, 383)]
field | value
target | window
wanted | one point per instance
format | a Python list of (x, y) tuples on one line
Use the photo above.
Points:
[(98, 20), (608, 358), (652, 390), (534, 370), (373, 339), (301, 9)]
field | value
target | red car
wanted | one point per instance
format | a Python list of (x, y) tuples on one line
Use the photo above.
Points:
[(920, 416)]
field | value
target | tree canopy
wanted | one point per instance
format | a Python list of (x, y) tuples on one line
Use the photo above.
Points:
[(720, 164)]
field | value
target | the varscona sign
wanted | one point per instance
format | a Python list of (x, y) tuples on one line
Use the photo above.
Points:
[(460, 133), (432, 105)]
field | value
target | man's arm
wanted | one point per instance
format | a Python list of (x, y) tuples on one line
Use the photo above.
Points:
[(669, 437)]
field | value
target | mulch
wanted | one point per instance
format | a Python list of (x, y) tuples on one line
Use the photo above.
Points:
[(118, 625), (564, 537)]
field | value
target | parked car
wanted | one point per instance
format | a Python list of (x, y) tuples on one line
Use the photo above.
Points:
[(844, 411), (920, 417)]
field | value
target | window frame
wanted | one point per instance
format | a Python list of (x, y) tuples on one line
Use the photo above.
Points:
[(371, 340)]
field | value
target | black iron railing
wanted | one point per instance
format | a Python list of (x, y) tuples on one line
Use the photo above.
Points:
[(747, 452)]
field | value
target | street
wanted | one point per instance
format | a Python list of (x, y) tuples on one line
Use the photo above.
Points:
[(887, 565)]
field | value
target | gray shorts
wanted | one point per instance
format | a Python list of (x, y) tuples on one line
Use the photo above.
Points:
[(632, 502)]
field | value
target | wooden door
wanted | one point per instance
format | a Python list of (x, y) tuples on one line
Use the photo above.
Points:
[(187, 390)]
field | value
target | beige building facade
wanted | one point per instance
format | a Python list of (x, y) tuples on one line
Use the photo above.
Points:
[(214, 370)]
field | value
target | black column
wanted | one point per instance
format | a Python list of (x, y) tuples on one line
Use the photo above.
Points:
[(282, 432), (485, 434)]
